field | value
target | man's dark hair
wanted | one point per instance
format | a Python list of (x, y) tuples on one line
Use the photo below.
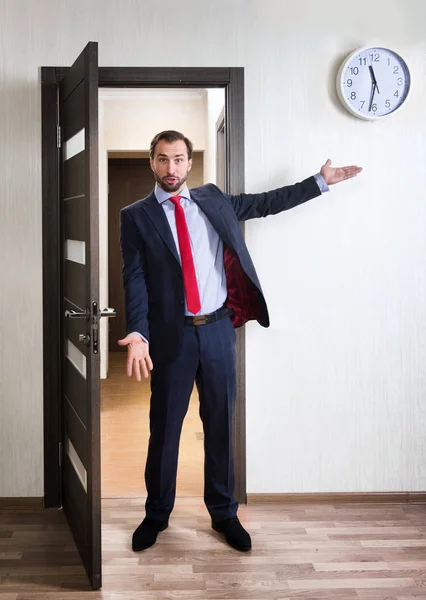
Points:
[(171, 136)]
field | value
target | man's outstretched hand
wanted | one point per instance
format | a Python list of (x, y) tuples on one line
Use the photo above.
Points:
[(138, 358), (337, 174)]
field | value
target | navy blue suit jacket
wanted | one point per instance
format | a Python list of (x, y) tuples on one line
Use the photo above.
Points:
[(152, 274)]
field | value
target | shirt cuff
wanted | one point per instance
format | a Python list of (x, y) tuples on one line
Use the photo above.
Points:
[(140, 335), (321, 183)]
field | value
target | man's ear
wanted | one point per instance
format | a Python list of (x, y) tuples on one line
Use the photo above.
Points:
[(151, 164), (189, 164)]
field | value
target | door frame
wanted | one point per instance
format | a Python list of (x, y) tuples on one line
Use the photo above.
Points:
[(220, 130), (232, 80)]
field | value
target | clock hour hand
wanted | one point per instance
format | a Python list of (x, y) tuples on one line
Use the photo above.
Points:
[(373, 78)]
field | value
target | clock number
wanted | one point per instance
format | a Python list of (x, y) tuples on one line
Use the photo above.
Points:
[(349, 83), (399, 81), (396, 94), (374, 107), (389, 62), (354, 70), (362, 61), (375, 57), (387, 103), (353, 96), (362, 103), (395, 70)]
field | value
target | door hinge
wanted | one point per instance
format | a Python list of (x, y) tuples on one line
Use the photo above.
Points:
[(58, 136), (60, 454)]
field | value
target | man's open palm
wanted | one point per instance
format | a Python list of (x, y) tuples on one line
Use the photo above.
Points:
[(334, 175), (138, 358)]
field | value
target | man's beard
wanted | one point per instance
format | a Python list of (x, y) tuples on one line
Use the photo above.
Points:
[(161, 181)]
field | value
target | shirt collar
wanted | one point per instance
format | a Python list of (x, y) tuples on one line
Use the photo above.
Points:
[(162, 195)]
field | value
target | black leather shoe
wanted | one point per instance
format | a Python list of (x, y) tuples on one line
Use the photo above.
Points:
[(234, 532), (145, 535)]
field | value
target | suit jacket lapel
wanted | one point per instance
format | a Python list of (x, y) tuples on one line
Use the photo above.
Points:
[(155, 212), (211, 207)]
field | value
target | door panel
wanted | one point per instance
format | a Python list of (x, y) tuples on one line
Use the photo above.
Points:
[(75, 391), (75, 283), (74, 175), (72, 111), (78, 111), (74, 221)]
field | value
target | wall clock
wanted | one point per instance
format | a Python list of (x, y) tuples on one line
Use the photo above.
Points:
[(373, 83)]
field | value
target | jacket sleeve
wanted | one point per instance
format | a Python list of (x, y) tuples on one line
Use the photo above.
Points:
[(252, 206), (135, 291)]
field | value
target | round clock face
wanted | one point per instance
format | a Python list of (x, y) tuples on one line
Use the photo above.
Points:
[(373, 83)]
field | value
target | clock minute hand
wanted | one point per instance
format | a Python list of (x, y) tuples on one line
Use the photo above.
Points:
[(373, 89)]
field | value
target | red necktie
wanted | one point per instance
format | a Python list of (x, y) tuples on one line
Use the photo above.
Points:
[(188, 269)]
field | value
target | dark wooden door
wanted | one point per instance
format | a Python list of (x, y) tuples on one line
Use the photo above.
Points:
[(232, 79), (81, 495), (129, 179)]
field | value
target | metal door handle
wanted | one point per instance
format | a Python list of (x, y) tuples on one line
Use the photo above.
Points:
[(108, 312), (73, 314)]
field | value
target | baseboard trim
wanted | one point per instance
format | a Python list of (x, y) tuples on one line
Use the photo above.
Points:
[(340, 498), (21, 504)]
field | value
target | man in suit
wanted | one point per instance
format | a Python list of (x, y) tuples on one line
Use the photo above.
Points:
[(189, 281)]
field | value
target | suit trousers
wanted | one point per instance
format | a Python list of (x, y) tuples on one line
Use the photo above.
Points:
[(207, 356)]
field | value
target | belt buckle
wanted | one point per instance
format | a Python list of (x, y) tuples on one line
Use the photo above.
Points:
[(200, 320)]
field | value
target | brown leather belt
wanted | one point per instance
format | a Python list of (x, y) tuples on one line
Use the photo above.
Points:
[(210, 318)]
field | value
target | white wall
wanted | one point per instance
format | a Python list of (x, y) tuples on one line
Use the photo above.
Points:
[(128, 120), (336, 386)]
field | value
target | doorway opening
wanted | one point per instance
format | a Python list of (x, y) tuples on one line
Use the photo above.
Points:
[(128, 120)]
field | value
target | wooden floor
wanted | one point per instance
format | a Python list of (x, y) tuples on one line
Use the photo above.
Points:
[(299, 551), (125, 434)]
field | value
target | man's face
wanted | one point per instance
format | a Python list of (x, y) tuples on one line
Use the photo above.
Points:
[(171, 165)]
